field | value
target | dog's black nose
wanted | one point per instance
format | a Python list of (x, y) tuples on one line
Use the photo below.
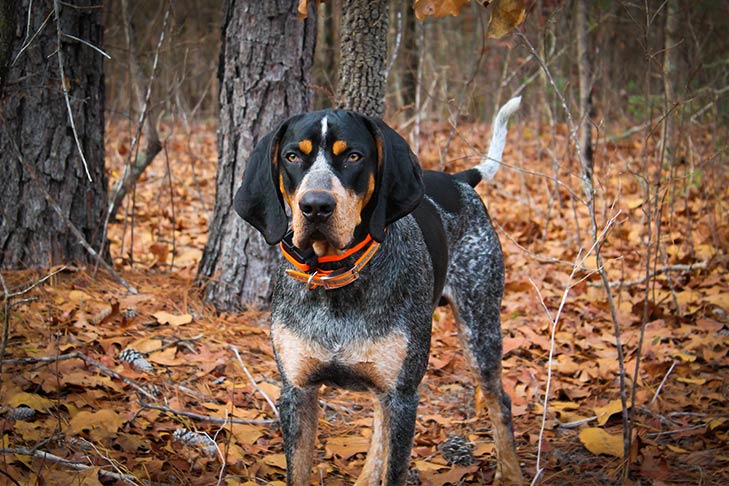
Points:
[(317, 206)]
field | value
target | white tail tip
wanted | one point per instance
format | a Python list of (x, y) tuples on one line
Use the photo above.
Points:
[(492, 160)]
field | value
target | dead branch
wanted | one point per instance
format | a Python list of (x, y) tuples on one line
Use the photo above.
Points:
[(91, 361), (589, 191), (664, 269), (253, 382), (72, 464), (8, 304), (205, 418)]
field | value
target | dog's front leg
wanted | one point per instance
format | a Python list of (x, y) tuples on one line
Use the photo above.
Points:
[(400, 410), (299, 410)]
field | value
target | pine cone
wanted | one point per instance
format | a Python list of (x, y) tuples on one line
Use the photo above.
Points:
[(457, 450)]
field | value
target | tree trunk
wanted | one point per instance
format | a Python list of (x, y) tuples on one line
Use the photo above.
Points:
[(7, 33), (264, 73), (34, 120), (583, 67), (409, 61), (363, 47), (670, 60)]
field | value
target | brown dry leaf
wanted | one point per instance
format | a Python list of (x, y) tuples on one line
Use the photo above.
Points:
[(598, 441), (505, 15), (275, 460), (166, 357), (605, 412), (171, 319), (36, 402), (246, 434), (437, 8), (347, 446), (100, 425)]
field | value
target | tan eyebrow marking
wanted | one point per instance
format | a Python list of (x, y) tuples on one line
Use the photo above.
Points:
[(306, 146), (339, 147)]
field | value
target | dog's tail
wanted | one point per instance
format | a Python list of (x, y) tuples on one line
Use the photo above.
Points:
[(491, 162)]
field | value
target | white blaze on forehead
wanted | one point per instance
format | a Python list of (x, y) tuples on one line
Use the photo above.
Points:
[(324, 127)]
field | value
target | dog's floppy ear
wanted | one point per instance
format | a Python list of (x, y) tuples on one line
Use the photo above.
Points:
[(259, 200), (399, 186)]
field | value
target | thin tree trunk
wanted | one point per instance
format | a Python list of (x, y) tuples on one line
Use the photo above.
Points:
[(585, 81), (670, 61), (264, 73), (362, 67), (34, 116), (150, 111), (409, 62)]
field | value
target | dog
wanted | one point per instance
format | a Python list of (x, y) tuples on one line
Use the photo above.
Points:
[(373, 245)]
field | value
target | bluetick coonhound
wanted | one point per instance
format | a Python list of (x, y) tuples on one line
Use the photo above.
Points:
[(373, 245)]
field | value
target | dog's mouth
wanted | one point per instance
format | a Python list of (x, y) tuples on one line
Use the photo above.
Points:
[(320, 238)]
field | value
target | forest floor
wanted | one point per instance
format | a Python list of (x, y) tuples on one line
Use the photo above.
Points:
[(68, 391)]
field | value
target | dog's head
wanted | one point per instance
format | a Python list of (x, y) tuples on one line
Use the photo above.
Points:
[(342, 174)]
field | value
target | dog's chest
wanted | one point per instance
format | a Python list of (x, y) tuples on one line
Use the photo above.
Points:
[(356, 364)]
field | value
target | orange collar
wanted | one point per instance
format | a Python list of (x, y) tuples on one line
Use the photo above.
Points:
[(329, 279)]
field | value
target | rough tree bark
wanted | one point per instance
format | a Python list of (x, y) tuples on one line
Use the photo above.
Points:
[(265, 65), (33, 117), (362, 65), (7, 30)]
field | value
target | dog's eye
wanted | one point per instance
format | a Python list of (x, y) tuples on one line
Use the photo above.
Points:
[(293, 157), (354, 157)]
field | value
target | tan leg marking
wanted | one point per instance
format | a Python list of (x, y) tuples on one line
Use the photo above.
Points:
[(507, 468), (376, 462)]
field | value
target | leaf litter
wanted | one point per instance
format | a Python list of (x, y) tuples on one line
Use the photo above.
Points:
[(158, 395)]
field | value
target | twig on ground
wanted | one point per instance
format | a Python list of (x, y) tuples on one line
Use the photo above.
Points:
[(576, 423), (205, 418), (663, 382), (664, 269), (72, 464), (113, 463), (253, 382), (7, 296), (78, 355)]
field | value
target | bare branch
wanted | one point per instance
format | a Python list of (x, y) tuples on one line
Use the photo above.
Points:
[(205, 418), (72, 464), (77, 355), (253, 382)]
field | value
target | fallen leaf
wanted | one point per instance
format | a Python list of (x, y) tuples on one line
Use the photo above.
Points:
[(347, 446), (171, 319), (36, 402), (598, 441), (605, 412), (100, 425)]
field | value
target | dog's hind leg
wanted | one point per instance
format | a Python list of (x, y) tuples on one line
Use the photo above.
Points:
[(474, 291), (299, 410)]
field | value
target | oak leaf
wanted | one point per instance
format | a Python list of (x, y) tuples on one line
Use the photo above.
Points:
[(505, 15), (598, 441)]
